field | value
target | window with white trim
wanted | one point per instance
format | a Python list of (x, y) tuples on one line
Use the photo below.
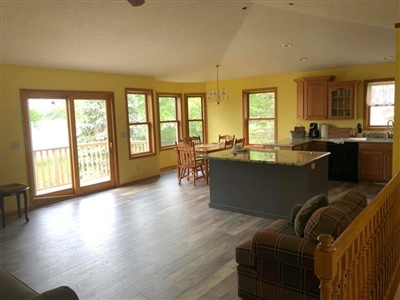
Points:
[(379, 103)]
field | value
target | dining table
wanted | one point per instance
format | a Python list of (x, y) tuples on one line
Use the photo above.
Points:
[(202, 150)]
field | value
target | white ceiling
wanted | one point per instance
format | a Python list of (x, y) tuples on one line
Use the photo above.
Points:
[(183, 40)]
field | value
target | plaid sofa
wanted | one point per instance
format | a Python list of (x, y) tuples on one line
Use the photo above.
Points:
[(278, 264), (11, 288)]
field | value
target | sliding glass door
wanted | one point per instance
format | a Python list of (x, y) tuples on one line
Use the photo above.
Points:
[(69, 138)]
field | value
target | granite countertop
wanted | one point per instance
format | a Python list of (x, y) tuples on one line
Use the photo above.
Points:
[(280, 157), (300, 141)]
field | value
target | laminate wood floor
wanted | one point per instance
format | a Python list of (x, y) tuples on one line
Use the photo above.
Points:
[(152, 240)]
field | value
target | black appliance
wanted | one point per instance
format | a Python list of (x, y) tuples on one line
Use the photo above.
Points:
[(343, 161), (314, 130)]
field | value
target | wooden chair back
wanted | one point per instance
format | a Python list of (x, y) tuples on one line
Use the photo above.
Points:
[(226, 137), (187, 164), (228, 144), (186, 140), (240, 142), (196, 140)]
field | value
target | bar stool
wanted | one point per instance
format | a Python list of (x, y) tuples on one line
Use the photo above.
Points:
[(14, 189)]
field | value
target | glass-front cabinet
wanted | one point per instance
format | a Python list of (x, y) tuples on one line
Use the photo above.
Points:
[(343, 99)]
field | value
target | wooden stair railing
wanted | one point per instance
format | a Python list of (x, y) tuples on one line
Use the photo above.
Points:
[(364, 261)]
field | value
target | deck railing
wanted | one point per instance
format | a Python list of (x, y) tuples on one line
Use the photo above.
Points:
[(364, 261), (53, 165), (139, 146)]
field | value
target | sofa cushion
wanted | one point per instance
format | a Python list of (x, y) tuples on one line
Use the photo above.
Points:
[(334, 218), (354, 200), (306, 211)]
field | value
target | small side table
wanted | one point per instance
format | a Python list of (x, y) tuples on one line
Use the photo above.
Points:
[(14, 189)]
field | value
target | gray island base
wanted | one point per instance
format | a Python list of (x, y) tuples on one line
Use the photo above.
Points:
[(266, 183)]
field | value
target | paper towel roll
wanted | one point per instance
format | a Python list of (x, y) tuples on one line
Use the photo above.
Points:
[(324, 130)]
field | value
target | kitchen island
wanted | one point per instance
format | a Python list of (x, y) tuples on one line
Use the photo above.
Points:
[(266, 183)]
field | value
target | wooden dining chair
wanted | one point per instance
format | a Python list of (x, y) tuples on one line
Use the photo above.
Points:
[(228, 144), (186, 140), (240, 142), (223, 138), (187, 164), (196, 140)]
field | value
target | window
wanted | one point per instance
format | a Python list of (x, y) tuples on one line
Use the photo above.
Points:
[(195, 112), (170, 118), (140, 122), (379, 103), (259, 114)]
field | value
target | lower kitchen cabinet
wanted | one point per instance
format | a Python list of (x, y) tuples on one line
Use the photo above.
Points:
[(317, 146), (375, 161), (303, 147), (387, 163)]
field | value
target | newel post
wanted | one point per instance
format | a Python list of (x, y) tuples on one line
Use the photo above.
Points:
[(325, 265)]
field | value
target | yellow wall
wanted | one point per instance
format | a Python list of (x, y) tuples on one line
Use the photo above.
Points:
[(225, 118)]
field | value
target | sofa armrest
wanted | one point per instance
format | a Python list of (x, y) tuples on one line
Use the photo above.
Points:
[(13, 288), (273, 245), (59, 293), (294, 213)]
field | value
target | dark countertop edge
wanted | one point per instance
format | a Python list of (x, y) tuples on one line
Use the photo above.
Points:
[(300, 141)]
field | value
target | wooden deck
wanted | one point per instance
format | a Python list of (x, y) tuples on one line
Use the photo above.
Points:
[(153, 240)]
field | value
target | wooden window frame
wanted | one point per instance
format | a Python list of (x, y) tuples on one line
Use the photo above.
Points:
[(246, 118), (366, 107), (178, 118), (203, 114), (149, 121)]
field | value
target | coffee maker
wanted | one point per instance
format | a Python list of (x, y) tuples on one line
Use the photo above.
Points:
[(314, 130)]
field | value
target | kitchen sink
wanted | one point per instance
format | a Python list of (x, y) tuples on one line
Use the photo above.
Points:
[(374, 139), (356, 139)]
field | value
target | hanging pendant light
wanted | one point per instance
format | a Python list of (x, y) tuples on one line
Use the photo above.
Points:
[(136, 2), (218, 95)]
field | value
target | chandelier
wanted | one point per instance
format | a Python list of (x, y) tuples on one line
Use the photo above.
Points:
[(217, 95), (136, 2)]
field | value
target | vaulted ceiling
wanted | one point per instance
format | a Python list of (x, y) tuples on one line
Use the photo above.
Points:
[(183, 40)]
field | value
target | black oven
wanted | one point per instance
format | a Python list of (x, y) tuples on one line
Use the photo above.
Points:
[(343, 161)]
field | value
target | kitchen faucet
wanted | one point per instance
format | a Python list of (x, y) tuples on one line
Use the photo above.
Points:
[(389, 131)]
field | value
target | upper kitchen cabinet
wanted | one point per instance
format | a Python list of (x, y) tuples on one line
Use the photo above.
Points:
[(312, 97), (342, 98)]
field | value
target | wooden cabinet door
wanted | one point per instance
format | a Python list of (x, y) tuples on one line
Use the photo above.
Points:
[(342, 99), (300, 100), (312, 97), (316, 100), (375, 161), (387, 166), (318, 146), (370, 165)]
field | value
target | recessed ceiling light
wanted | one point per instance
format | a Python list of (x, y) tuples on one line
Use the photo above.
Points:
[(388, 57), (287, 45), (302, 59)]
